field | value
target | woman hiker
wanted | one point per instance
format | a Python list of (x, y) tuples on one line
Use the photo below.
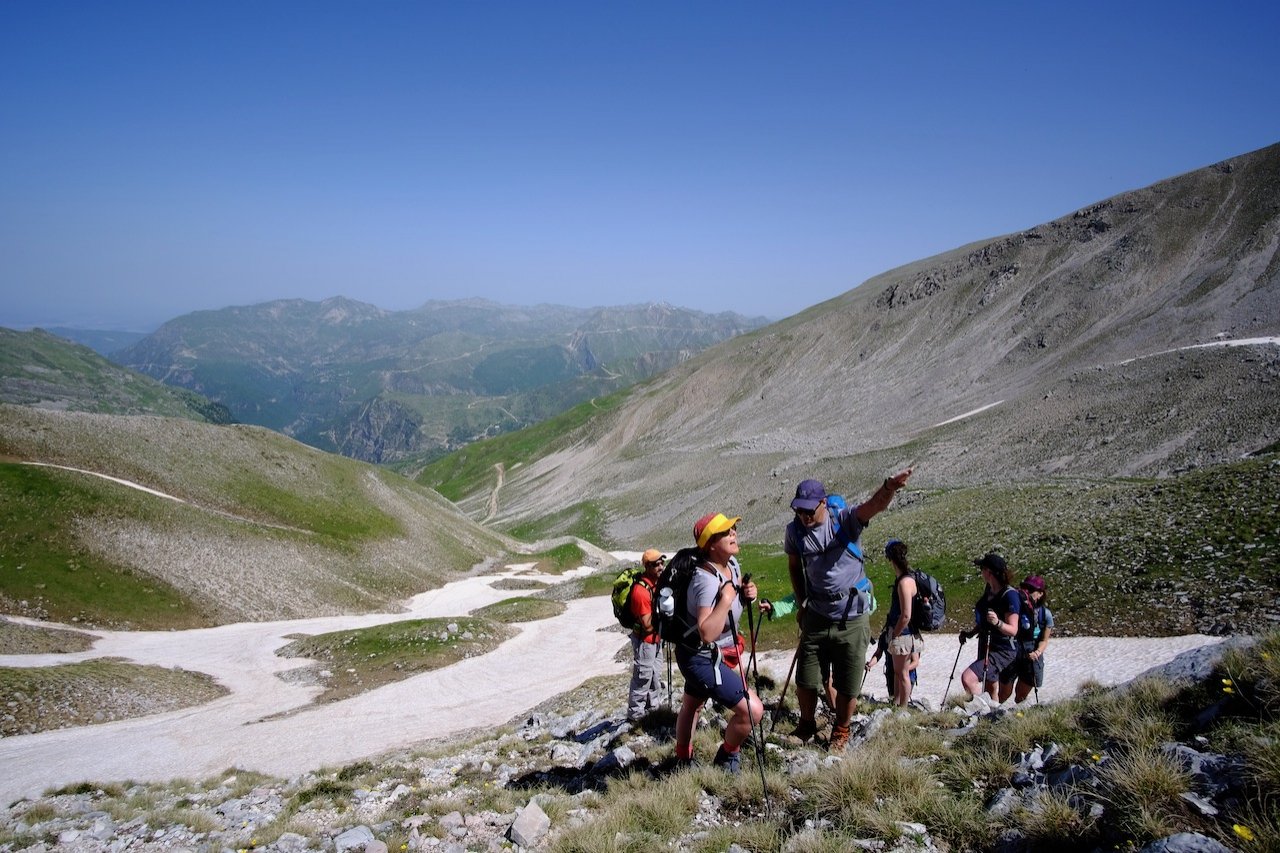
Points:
[(715, 597), (995, 620), (904, 642), (1034, 627)]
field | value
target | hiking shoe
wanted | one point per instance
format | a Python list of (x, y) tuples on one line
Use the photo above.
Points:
[(730, 762), (839, 739), (805, 731)]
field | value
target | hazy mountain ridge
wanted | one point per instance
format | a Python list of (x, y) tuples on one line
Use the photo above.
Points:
[(1043, 323), (388, 385)]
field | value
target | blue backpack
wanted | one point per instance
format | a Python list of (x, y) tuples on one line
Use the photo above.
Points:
[(835, 505)]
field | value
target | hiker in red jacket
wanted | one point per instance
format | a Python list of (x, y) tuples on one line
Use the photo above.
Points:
[(646, 674)]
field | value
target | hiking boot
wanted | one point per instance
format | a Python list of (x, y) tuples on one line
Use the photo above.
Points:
[(839, 739), (730, 762), (805, 731)]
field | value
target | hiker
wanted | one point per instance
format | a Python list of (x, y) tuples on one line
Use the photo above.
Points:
[(904, 641), (825, 563), (995, 621), (882, 651), (785, 607), (714, 669), (646, 673), (1035, 624)]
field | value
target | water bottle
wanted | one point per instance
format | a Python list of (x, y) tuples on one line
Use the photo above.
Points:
[(666, 602)]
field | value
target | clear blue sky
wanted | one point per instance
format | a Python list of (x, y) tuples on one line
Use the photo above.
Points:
[(160, 158)]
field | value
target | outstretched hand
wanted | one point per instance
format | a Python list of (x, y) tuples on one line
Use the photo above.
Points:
[(900, 479)]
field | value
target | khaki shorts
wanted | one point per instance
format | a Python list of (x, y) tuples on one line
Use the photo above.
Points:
[(907, 644)]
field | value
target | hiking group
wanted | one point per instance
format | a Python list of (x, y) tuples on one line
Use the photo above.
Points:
[(695, 602)]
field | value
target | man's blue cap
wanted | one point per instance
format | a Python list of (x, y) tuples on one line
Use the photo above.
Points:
[(809, 494)]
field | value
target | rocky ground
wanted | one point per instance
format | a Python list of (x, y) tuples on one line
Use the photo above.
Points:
[(522, 786)]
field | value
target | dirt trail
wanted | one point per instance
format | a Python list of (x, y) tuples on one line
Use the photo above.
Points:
[(231, 732)]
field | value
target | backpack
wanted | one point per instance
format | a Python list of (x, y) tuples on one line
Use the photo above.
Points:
[(621, 595), (835, 504), (1030, 619), (929, 605), (676, 627)]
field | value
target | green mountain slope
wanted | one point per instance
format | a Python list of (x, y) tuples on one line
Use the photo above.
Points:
[(40, 369), (247, 525), (394, 386)]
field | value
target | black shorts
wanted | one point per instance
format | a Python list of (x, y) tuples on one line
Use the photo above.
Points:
[(1002, 663)]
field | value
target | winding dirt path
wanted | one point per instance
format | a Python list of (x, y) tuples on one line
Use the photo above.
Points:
[(545, 658)]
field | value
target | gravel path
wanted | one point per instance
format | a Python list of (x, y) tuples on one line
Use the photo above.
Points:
[(1069, 663), (251, 729), (233, 731)]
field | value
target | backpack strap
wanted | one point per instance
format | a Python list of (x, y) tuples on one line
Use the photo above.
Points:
[(852, 547)]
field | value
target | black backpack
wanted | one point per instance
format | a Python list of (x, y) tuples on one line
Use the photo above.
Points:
[(929, 606), (676, 627)]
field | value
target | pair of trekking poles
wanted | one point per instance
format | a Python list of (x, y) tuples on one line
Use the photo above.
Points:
[(986, 657)]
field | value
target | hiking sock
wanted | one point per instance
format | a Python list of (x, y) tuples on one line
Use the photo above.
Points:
[(685, 754), (731, 762)]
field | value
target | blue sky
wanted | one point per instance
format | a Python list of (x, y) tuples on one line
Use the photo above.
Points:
[(160, 158)]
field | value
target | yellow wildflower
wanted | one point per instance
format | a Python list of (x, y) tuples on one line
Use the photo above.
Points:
[(1245, 833)]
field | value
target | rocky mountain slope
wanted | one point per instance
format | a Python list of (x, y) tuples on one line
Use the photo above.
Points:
[(1133, 338), (385, 386)]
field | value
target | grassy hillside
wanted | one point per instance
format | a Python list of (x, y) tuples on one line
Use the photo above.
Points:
[(252, 525), (1196, 553), (40, 369)]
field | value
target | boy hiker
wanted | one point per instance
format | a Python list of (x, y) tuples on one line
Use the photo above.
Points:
[(646, 673), (829, 581)]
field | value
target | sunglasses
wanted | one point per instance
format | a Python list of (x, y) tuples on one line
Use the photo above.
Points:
[(807, 513)]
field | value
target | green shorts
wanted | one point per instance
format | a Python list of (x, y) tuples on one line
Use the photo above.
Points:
[(824, 643)]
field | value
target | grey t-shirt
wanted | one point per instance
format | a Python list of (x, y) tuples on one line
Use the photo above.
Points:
[(703, 588), (830, 570)]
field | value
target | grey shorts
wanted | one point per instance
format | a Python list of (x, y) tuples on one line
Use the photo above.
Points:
[(1030, 671), (1002, 664)]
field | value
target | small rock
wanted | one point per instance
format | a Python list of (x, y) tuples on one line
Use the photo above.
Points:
[(530, 826), (353, 839)]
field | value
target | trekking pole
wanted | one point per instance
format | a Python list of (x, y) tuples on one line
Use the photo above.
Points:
[(670, 695), (753, 626), (777, 710), (986, 657), (759, 740), (953, 675)]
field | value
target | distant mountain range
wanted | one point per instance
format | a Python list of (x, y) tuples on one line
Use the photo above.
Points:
[(390, 386)]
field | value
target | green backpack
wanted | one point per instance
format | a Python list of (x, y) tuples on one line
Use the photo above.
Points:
[(621, 596)]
